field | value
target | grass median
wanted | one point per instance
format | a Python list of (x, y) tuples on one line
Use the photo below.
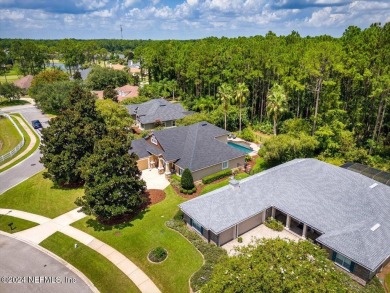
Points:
[(12, 225)]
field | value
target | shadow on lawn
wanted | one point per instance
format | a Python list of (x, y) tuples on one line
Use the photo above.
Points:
[(118, 223)]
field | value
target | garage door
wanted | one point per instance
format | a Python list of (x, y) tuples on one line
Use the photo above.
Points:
[(143, 164), (226, 236), (249, 224)]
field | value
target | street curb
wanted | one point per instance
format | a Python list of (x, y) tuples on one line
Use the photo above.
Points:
[(57, 258)]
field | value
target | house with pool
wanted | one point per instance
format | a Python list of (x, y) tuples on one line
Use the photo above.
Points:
[(201, 147), (343, 211)]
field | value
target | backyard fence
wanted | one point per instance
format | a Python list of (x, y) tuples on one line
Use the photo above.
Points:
[(20, 144)]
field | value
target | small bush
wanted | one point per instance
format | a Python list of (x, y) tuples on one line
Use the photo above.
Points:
[(274, 224), (187, 182), (158, 254), (216, 176), (248, 158), (239, 239), (247, 134)]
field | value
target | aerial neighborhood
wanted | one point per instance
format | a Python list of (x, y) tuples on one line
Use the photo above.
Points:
[(258, 163)]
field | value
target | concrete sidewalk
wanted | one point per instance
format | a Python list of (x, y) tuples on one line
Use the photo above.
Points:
[(61, 224)]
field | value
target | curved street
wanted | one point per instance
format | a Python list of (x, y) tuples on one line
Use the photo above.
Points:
[(25, 268), (31, 165)]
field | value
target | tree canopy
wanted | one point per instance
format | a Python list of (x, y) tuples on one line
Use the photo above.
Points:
[(276, 265), (100, 78)]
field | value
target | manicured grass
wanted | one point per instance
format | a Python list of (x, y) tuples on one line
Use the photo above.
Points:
[(10, 78), (146, 232), (27, 140), (9, 136), (387, 281), (38, 196), (12, 225), (6, 103), (101, 272), (213, 186)]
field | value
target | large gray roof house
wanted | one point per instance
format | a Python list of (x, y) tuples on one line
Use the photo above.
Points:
[(343, 211), (201, 147), (149, 113)]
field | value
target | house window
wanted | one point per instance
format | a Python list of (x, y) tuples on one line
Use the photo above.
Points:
[(197, 226), (343, 261), (225, 165), (153, 140), (181, 170), (173, 122)]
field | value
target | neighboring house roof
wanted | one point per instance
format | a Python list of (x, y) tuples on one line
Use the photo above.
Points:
[(157, 109), (117, 66), (24, 82), (194, 147), (127, 91), (99, 94), (342, 204)]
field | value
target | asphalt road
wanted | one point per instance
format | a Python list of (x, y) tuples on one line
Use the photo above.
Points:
[(24, 268), (31, 165)]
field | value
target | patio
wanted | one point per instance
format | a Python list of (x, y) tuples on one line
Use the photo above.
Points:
[(259, 232), (154, 180)]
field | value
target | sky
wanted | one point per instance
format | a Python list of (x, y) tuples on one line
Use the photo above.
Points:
[(184, 19)]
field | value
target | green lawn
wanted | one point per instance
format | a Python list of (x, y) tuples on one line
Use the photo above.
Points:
[(10, 78), (12, 225), (101, 272), (27, 141), (9, 136), (37, 195), (213, 186), (6, 103), (136, 238)]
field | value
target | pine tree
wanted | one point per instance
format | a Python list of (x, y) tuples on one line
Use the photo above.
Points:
[(187, 182)]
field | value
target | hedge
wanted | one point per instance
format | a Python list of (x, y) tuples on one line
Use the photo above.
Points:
[(216, 176), (212, 254)]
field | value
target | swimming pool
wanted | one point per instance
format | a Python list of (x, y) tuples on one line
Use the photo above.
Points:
[(240, 147)]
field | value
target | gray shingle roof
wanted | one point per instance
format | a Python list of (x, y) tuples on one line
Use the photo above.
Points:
[(157, 109), (193, 147), (333, 200)]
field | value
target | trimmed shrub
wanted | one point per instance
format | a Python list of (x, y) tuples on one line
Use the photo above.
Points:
[(187, 182), (274, 224), (158, 254), (216, 176), (247, 134), (239, 239)]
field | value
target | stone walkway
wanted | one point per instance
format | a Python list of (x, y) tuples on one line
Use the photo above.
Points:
[(48, 227)]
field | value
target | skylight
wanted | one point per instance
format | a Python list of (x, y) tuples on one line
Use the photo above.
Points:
[(376, 226), (372, 186)]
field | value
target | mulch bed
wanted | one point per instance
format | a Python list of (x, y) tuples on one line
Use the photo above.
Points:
[(153, 196), (188, 196)]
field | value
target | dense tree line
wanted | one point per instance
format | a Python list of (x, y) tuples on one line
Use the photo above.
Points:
[(324, 80)]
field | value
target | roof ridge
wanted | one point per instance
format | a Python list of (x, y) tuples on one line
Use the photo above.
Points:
[(193, 146)]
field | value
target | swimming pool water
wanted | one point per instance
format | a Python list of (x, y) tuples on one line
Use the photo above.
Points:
[(240, 147)]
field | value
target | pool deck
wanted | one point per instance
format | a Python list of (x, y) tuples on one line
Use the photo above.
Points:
[(253, 146)]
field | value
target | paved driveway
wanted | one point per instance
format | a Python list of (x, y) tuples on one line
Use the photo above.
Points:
[(29, 265), (31, 165), (154, 180)]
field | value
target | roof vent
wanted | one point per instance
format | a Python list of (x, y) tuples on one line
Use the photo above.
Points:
[(204, 124), (376, 226), (372, 186), (235, 184)]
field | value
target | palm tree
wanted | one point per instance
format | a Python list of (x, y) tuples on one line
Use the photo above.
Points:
[(225, 95), (276, 103), (241, 94)]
